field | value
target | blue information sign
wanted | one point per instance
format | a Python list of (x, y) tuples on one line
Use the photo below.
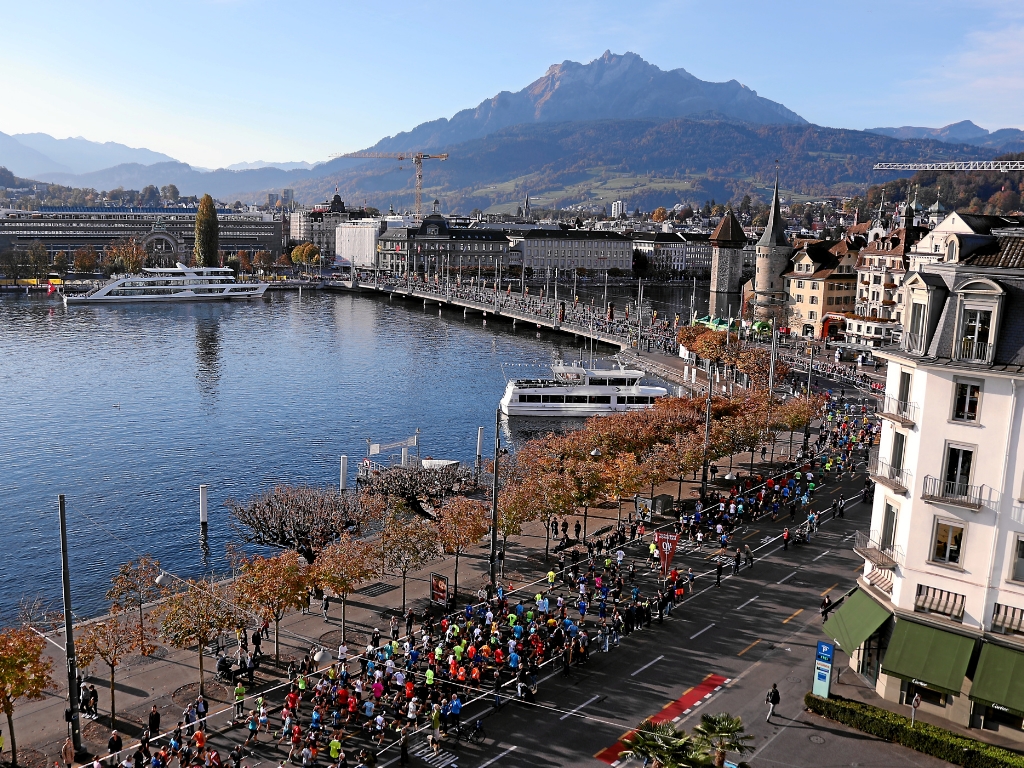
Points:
[(826, 652), (822, 685)]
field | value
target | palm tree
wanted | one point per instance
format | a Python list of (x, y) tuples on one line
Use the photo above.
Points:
[(660, 745), (718, 734)]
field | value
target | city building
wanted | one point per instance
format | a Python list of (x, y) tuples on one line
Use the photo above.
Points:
[(822, 279), (319, 224), (773, 258), (618, 209), (939, 608), (168, 234), (665, 252), (355, 243), (727, 244), (550, 249), (956, 234)]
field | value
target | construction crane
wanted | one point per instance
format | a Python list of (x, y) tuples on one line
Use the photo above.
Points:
[(417, 159), (966, 165)]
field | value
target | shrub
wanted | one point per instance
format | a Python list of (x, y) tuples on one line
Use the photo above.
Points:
[(923, 737)]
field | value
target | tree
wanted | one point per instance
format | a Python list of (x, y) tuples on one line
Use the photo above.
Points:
[(659, 215), (263, 260), (86, 259), (244, 261), (342, 566), (169, 193), (660, 745), (270, 586), (149, 197), (60, 263), (109, 640), (126, 255), (410, 542), (25, 673), (460, 524), (38, 259), (12, 265), (719, 734), (192, 617), (131, 588), (207, 238)]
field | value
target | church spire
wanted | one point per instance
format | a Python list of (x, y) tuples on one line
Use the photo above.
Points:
[(775, 232)]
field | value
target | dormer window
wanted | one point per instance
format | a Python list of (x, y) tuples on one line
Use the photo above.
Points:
[(974, 339), (951, 251)]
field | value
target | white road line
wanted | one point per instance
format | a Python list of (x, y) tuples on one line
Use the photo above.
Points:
[(821, 556), (709, 626), (748, 602), (786, 578), (645, 666), (497, 758), (591, 700)]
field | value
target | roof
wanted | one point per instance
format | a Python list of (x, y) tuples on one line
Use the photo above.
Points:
[(658, 237), (1005, 252), (983, 225), (775, 232), (576, 234), (820, 252), (729, 231)]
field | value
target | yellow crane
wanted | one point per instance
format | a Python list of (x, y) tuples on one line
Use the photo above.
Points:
[(417, 159)]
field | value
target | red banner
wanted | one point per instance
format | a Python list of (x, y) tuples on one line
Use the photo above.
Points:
[(666, 544)]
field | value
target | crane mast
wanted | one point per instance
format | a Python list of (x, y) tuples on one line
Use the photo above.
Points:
[(417, 159)]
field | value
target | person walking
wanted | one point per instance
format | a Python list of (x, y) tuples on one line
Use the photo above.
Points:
[(114, 747), (325, 603), (748, 556), (718, 574), (736, 561), (772, 699), (67, 753), (785, 539)]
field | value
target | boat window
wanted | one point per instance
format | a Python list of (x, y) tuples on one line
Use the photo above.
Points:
[(529, 398), (575, 398), (601, 399), (553, 398), (619, 382), (599, 382), (620, 400)]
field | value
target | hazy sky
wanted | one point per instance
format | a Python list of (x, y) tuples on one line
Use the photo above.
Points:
[(214, 83)]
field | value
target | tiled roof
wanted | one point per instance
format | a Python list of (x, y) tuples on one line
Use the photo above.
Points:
[(729, 231), (1005, 252)]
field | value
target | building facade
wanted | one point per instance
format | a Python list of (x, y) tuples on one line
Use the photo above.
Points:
[(167, 234), (821, 280), (773, 256), (939, 610), (665, 252), (356, 243), (544, 250)]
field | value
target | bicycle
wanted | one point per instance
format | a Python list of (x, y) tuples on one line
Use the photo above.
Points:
[(474, 735)]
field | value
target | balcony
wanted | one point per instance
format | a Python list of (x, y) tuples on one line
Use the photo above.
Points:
[(1008, 620), (974, 351), (894, 478), (948, 492), (871, 549), (934, 600), (903, 412)]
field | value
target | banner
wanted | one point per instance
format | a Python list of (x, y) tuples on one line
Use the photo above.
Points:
[(666, 544), (439, 589)]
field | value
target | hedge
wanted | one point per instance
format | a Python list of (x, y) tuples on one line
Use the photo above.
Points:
[(923, 737)]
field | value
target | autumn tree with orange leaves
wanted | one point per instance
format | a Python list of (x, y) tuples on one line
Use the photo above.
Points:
[(342, 566), (109, 640), (460, 524), (25, 673), (270, 587)]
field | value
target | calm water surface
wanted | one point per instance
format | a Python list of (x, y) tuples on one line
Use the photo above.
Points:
[(237, 396)]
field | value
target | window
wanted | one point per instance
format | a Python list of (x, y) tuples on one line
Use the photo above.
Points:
[(947, 542), (958, 471), (888, 527), (904, 388), (975, 333), (899, 447), (1017, 559), (965, 401), (799, 283), (814, 286), (814, 299)]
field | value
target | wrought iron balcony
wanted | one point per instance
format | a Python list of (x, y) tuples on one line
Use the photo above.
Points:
[(949, 492), (894, 478), (903, 412), (871, 548), (974, 351)]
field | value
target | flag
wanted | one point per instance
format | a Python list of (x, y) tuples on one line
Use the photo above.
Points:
[(666, 543), (50, 288)]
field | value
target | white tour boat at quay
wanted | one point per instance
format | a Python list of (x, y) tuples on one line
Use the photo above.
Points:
[(178, 283), (576, 390)]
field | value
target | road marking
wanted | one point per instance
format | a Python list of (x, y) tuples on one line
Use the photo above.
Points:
[(748, 602), (648, 664), (787, 578), (793, 616), (572, 712), (752, 533), (831, 588), (709, 626), (496, 759), (821, 556), (749, 647)]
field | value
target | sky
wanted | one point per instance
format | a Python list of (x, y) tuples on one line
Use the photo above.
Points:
[(215, 82)]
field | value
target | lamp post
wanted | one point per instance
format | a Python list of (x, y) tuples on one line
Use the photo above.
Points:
[(69, 637), (594, 454), (707, 441), (494, 501)]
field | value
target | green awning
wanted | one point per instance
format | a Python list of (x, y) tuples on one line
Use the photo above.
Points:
[(853, 622), (999, 680), (928, 656)]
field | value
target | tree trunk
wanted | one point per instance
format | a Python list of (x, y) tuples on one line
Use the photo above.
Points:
[(344, 603), (547, 539), (277, 640), (14, 742), (113, 709), (403, 591), (202, 676), (455, 592), (586, 510), (719, 758), (142, 631)]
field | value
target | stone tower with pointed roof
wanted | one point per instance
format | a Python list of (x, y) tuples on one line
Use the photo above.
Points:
[(727, 243), (773, 256)]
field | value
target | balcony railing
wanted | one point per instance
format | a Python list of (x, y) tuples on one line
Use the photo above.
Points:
[(913, 342), (895, 478), (1007, 619), (903, 412), (871, 548), (975, 351), (949, 492), (934, 600)]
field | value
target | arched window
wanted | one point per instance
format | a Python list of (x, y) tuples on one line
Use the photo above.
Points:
[(951, 251)]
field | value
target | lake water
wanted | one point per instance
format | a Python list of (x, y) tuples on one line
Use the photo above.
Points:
[(128, 409)]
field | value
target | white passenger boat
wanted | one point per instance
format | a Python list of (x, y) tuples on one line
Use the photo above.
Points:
[(578, 391), (178, 283)]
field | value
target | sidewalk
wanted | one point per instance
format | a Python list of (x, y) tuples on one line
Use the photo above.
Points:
[(169, 678)]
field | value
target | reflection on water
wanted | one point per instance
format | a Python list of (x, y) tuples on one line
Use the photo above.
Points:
[(238, 396)]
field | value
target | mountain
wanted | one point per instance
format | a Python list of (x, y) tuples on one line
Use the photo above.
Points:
[(80, 155), (619, 87), (964, 132), (265, 164), (25, 161)]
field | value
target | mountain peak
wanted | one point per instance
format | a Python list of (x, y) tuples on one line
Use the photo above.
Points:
[(611, 87)]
